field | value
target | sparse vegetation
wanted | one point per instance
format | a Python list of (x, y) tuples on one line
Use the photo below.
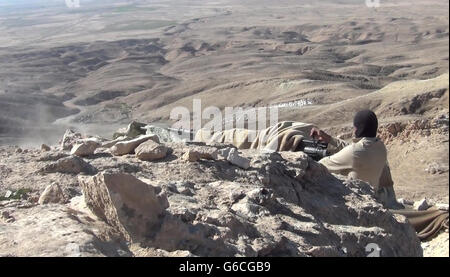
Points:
[(16, 194)]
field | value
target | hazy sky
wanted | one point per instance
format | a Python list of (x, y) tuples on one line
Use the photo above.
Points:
[(15, 5), (47, 2)]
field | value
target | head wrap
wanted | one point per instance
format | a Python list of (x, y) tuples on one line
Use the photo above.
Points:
[(366, 124)]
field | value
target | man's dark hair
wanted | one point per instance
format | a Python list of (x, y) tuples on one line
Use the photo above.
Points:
[(366, 124)]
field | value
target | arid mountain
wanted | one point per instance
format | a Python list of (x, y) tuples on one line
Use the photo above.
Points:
[(109, 62)]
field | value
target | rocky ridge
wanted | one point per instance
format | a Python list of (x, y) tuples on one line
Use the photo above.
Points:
[(281, 204)]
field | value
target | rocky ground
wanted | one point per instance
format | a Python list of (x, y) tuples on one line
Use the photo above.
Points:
[(178, 199), (438, 247)]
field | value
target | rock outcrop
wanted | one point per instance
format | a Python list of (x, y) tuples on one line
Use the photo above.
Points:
[(421, 205), (151, 151), (111, 143), (234, 158), (52, 194), (197, 153), (69, 139), (56, 230), (85, 147), (127, 147), (282, 204), (133, 207), (69, 165)]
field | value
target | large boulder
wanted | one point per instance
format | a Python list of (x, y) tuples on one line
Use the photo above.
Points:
[(196, 153), (128, 147), (164, 134), (133, 207), (234, 158), (69, 139), (284, 204), (57, 231), (85, 147), (52, 194), (421, 205), (69, 165), (111, 143), (133, 130), (151, 151)]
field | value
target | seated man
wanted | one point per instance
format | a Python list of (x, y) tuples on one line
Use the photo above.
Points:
[(365, 158)]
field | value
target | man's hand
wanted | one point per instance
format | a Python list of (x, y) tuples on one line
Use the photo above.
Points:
[(320, 135)]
